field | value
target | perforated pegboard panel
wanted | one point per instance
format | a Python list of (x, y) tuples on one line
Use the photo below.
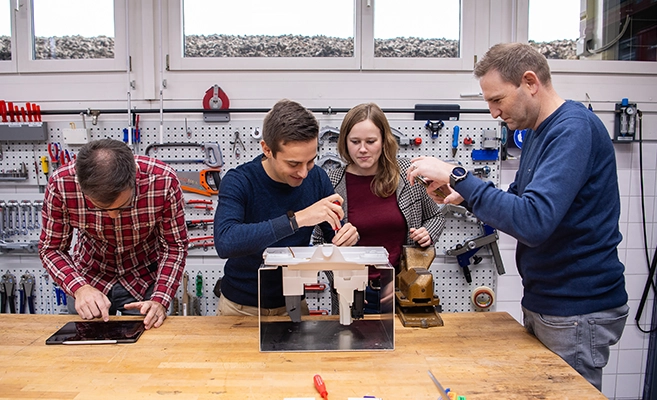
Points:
[(239, 141)]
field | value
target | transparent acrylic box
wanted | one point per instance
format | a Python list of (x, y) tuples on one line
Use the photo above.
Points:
[(293, 267)]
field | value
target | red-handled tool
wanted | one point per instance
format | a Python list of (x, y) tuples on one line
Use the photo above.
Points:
[(10, 111), (30, 113), (338, 203), (199, 201), (3, 110), (37, 113), (320, 386)]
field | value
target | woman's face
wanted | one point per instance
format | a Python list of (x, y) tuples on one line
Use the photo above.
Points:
[(364, 143)]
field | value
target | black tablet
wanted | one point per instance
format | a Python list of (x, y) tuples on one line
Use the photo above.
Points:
[(98, 332)]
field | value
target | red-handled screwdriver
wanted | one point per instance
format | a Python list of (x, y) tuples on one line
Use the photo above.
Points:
[(320, 386), (338, 203)]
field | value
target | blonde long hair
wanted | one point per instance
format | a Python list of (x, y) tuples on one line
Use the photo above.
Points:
[(386, 180)]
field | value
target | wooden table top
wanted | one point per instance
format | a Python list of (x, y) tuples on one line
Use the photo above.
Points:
[(477, 355)]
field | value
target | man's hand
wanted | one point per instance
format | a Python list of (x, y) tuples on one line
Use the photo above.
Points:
[(421, 236), (327, 209), (91, 303), (432, 169), (346, 236), (444, 194), (154, 312)]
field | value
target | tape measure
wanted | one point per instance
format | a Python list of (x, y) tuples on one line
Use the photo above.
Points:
[(215, 99), (483, 297)]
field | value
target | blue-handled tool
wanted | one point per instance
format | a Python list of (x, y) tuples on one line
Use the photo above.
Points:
[(455, 139), (60, 295)]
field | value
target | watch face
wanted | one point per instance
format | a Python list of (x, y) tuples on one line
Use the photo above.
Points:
[(459, 171)]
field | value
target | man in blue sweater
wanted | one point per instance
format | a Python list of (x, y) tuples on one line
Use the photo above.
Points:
[(275, 200), (563, 208)]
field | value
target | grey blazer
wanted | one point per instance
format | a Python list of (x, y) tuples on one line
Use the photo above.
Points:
[(418, 209)]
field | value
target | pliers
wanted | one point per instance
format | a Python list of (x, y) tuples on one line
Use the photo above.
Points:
[(26, 288), (8, 284), (54, 153)]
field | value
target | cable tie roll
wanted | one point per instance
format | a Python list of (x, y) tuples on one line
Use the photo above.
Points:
[(483, 297)]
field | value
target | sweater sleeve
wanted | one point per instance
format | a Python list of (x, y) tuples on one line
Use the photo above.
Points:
[(233, 237), (552, 182)]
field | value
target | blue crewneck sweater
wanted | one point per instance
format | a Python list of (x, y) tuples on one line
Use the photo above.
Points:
[(563, 208), (251, 216)]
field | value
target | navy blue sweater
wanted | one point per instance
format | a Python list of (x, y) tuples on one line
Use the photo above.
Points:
[(563, 208), (251, 216)]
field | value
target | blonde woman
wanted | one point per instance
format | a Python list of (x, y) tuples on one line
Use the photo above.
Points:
[(377, 197)]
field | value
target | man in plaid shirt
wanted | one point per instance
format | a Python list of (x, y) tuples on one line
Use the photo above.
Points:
[(132, 239)]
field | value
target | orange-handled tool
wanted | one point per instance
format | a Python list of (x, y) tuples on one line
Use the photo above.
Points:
[(320, 386)]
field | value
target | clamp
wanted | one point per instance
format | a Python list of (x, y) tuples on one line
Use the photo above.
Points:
[(470, 247), (434, 127), (26, 289)]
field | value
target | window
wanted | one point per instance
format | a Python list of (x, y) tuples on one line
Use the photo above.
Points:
[(88, 35), (262, 34), (623, 30), (5, 31), (417, 28), (319, 35), (70, 35), (554, 40), (7, 37), (265, 28)]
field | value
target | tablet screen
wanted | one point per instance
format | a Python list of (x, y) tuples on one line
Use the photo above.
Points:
[(98, 332)]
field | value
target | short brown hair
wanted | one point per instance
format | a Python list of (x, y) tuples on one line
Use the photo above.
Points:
[(288, 121), (104, 169), (512, 60), (386, 180)]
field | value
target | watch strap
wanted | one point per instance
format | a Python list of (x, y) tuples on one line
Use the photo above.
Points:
[(293, 220)]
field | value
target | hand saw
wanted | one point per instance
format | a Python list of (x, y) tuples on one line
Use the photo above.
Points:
[(197, 181)]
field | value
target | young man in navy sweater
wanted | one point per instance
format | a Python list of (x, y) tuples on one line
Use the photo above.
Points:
[(563, 208), (275, 200)]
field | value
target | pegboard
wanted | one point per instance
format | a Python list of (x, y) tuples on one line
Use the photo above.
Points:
[(239, 141)]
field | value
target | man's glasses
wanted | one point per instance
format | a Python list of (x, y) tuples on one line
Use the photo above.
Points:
[(130, 204)]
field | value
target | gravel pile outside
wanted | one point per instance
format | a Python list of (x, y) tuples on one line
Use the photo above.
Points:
[(78, 47)]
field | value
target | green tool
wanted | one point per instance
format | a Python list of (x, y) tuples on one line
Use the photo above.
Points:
[(199, 285)]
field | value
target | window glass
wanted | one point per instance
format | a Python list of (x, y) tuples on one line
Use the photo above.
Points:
[(417, 28), (553, 27), (594, 29), (5, 30), (73, 29), (266, 28)]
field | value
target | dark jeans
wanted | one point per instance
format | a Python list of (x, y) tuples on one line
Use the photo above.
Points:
[(118, 296)]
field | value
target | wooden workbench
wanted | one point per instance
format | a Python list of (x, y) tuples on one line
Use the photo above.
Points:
[(479, 355)]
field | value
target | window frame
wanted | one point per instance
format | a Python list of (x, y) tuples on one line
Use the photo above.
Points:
[(363, 58), (24, 39)]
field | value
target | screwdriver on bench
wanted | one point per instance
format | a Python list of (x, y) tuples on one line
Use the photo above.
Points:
[(320, 386)]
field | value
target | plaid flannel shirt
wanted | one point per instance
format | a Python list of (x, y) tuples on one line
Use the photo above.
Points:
[(120, 250)]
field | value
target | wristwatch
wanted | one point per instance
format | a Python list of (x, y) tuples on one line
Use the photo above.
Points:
[(293, 220), (457, 175)]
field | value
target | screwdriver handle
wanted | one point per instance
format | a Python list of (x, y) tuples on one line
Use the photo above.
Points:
[(320, 386), (44, 164)]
